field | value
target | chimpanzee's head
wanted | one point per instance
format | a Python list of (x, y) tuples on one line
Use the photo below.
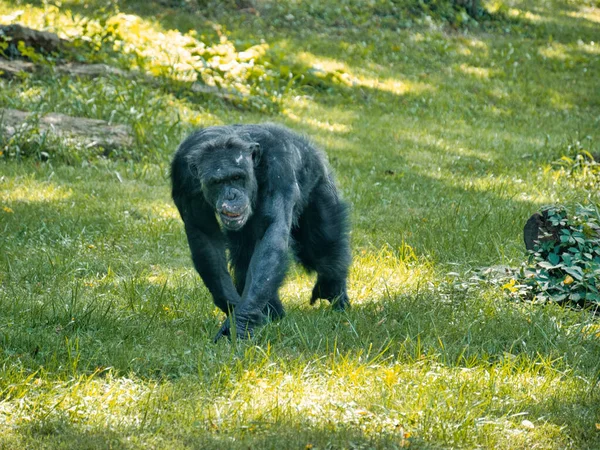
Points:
[(225, 168)]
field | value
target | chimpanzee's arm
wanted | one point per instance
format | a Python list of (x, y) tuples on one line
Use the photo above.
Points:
[(267, 269), (207, 245)]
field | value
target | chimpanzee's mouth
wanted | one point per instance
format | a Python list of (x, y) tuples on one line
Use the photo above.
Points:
[(233, 221)]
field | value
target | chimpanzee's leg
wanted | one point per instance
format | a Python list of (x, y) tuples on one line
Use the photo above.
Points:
[(207, 246), (240, 255), (322, 244)]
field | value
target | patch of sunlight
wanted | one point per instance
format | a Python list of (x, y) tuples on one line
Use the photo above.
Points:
[(7, 19), (305, 106), (110, 401), (352, 389), (155, 51), (183, 57), (592, 48), (312, 396), (464, 51), (48, 18), (589, 13), (394, 86), (559, 101), (417, 37), (477, 43), (350, 393), (326, 126), (322, 63), (297, 287), (158, 276), (555, 50), (170, 51), (179, 52), (343, 74), (160, 209), (33, 191), (376, 274), (10, 15), (513, 12), (591, 330), (496, 111), (386, 273), (162, 276), (493, 6), (466, 46), (479, 72), (32, 95), (303, 110), (499, 93)]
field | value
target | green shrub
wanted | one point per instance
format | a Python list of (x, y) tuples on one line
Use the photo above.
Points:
[(565, 266)]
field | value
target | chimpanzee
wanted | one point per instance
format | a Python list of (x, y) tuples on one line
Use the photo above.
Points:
[(258, 190)]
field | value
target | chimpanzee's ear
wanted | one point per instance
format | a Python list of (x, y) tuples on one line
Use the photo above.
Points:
[(193, 160), (256, 150)]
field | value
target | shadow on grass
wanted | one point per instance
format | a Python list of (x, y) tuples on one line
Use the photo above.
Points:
[(166, 331), (60, 433)]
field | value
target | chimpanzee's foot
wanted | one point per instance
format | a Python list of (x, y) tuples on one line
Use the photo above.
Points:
[(333, 291), (274, 309)]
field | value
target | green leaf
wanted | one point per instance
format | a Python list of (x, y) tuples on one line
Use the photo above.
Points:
[(568, 259), (554, 258), (548, 266), (575, 272)]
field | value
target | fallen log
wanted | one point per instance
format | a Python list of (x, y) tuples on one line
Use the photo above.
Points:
[(90, 132), (39, 40), (11, 68)]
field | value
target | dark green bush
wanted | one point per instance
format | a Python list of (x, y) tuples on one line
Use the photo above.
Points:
[(565, 266)]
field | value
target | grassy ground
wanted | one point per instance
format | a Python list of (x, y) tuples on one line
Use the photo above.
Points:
[(442, 136)]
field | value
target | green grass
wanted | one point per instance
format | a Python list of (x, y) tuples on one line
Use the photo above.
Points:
[(442, 138)]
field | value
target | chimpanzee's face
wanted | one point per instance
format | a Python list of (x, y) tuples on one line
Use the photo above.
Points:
[(228, 181), (230, 193)]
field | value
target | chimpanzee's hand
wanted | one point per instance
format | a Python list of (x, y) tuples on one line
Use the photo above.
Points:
[(223, 331), (243, 329)]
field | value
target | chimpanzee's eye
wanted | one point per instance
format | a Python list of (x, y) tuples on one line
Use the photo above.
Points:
[(236, 178)]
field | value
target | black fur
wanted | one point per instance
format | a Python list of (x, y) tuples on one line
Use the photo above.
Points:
[(258, 190)]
